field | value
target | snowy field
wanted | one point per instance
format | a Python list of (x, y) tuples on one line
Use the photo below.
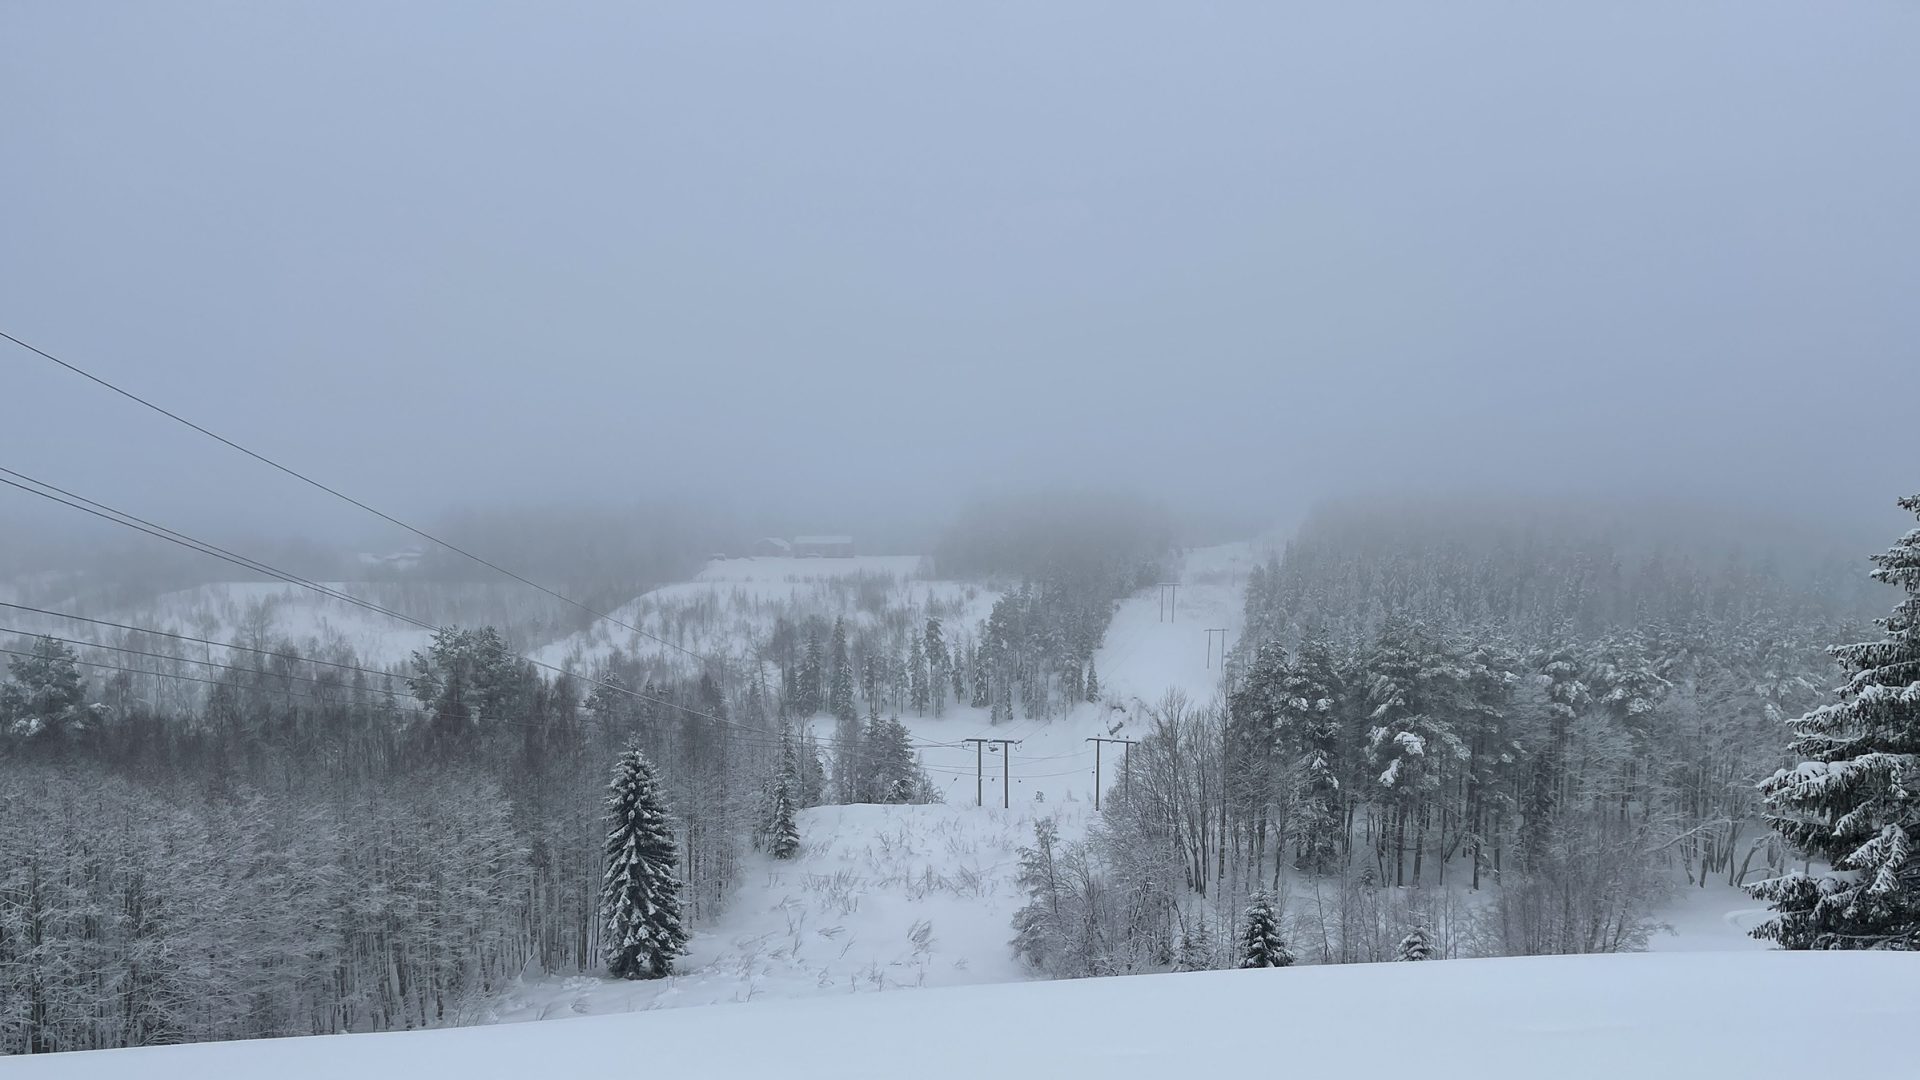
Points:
[(1699, 1016)]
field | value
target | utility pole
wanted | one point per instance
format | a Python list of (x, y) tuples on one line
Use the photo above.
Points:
[(979, 776), (1169, 599), (1222, 631), (1096, 741)]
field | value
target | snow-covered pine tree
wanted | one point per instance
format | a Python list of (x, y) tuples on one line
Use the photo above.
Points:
[(1308, 735), (809, 684), (1260, 943), (1418, 944), (783, 832), (640, 893), (978, 671), (917, 693), (840, 679), (939, 666), (1855, 803), (957, 669), (783, 836), (1092, 688), (46, 698), (893, 775), (870, 682)]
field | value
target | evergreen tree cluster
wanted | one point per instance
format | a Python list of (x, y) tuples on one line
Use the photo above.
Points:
[(1854, 802)]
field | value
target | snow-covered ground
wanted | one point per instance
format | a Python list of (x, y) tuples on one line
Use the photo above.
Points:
[(1698, 1016), (880, 898), (1715, 918)]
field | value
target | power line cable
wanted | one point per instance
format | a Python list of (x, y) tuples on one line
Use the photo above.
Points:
[(336, 493), (197, 640), (182, 678)]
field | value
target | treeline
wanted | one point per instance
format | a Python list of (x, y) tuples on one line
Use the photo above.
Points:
[(1401, 733), (1075, 555), (1545, 570)]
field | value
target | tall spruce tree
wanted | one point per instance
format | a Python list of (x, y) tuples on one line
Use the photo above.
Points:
[(938, 667), (1260, 943), (640, 893), (809, 684), (1855, 803), (1308, 734), (917, 690), (840, 681), (782, 831)]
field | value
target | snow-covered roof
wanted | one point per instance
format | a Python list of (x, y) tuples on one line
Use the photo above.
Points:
[(823, 539)]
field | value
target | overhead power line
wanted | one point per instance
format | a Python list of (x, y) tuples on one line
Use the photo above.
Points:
[(168, 656), (344, 497), (130, 628), (180, 677)]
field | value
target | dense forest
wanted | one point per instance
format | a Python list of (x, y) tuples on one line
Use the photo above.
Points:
[(1429, 705)]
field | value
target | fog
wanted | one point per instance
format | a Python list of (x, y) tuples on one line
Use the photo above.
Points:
[(820, 264)]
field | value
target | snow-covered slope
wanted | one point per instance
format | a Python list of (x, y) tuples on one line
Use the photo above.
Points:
[(1149, 650), (731, 605), (1143, 655), (880, 898), (1700, 1016)]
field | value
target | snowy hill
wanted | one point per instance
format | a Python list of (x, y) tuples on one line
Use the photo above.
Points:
[(1700, 1016), (880, 898), (732, 603)]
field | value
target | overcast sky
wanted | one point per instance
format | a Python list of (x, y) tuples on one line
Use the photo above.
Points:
[(835, 255)]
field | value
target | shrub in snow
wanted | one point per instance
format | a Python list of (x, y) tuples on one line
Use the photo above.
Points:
[(1417, 945), (1260, 943)]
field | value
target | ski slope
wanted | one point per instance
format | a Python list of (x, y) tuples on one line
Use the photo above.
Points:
[(1703, 1016), (1149, 649), (1144, 655)]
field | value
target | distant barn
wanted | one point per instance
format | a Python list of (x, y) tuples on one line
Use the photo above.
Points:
[(772, 545), (823, 547)]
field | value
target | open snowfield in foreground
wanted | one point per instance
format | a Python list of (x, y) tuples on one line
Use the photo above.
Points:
[(1700, 1016)]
